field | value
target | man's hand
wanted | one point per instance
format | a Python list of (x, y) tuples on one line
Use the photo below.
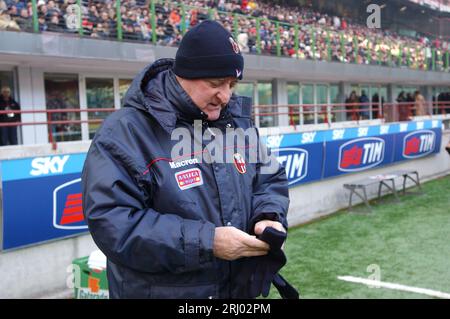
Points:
[(231, 243), (261, 225)]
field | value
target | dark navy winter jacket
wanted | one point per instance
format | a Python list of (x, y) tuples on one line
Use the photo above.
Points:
[(154, 216)]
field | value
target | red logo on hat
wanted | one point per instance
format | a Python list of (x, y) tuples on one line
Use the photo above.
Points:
[(239, 163), (234, 45)]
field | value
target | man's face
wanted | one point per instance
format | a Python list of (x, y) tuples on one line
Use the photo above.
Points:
[(210, 95), (6, 92)]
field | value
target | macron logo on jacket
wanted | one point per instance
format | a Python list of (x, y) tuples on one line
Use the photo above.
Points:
[(183, 163)]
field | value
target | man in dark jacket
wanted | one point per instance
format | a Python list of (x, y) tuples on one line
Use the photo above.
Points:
[(8, 134), (183, 224)]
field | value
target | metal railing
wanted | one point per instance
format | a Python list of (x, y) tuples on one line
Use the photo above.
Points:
[(51, 123), (305, 114), (297, 115)]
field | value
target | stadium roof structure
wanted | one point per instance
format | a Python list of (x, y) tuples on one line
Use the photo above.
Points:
[(430, 18), (440, 5)]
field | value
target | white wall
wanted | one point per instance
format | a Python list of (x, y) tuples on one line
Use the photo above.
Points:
[(43, 270)]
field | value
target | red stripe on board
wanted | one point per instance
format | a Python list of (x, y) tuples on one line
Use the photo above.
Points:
[(73, 202), (69, 219), (74, 196), (72, 210)]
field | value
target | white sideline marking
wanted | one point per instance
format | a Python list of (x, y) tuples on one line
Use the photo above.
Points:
[(393, 286)]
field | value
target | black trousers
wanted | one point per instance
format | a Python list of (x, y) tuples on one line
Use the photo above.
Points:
[(8, 135)]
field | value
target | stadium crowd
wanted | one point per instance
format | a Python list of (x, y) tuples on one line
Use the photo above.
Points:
[(320, 36)]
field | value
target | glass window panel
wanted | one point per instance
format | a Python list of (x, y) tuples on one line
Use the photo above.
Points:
[(365, 112), (378, 100), (308, 98), (334, 93), (437, 97), (398, 90), (124, 84), (293, 91), (61, 92), (265, 98), (334, 98), (99, 95), (355, 87), (321, 98), (244, 89)]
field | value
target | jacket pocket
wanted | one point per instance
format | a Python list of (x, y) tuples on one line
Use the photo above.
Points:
[(135, 290), (205, 291)]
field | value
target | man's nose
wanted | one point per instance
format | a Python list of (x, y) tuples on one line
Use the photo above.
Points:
[(224, 95)]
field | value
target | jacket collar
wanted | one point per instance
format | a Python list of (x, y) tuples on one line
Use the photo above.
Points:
[(178, 97), (156, 91)]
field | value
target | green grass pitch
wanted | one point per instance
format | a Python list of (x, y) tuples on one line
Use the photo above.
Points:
[(406, 243)]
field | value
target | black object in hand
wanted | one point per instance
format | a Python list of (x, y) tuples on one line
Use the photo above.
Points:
[(261, 271)]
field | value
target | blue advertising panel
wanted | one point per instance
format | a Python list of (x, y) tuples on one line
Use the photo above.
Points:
[(41, 199), (302, 163), (355, 155), (311, 156), (417, 144)]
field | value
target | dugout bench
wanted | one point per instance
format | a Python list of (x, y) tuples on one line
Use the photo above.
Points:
[(359, 187)]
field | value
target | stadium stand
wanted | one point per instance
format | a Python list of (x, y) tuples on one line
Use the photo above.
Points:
[(261, 27)]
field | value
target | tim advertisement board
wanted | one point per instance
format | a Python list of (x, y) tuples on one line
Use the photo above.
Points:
[(312, 156)]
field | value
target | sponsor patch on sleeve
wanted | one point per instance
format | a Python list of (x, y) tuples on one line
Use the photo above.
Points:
[(189, 178)]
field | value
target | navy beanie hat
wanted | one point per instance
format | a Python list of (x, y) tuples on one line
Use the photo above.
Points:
[(208, 51)]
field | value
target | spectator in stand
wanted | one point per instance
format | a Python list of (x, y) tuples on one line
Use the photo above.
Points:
[(175, 18), (194, 19), (377, 107), (352, 105), (53, 8), (71, 18), (88, 27), (344, 24), (242, 41), (443, 106), (410, 104), (24, 21), (128, 32), (6, 23), (420, 106), (8, 134), (42, 23), (54, 25), (365, 106), (403, 113)]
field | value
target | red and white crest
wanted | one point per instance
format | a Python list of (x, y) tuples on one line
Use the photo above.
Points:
[(239, 163), (234, 45)]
